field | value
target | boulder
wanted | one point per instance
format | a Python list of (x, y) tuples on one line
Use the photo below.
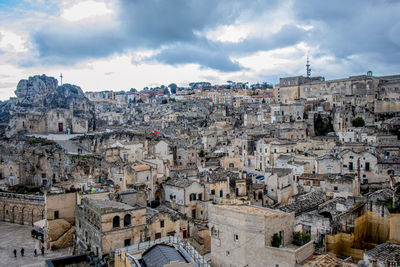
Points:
[(35, 89)]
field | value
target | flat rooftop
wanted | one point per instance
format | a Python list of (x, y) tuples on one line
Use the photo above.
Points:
[(252, 209), (110, 206)]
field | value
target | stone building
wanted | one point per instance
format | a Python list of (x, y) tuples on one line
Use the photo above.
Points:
[(43, 107), (236, 241), (164, 221), (281, 113), (386, 254), (280, 184), (21, 208), (103, 226), (187, 196), (363, 164), (139, 176), (327, 164), (336, 185)]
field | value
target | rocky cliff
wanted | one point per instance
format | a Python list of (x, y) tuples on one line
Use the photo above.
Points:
[(41, 93), (33, 91)]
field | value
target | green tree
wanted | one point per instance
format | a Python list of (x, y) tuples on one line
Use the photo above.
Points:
[(172, 87), (358, 122), (276, 241), (322, 126), (201, 153), (166, 92)]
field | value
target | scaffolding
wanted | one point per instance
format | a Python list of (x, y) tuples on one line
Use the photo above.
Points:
[(370, 230)]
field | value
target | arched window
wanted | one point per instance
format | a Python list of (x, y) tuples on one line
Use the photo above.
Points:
[(116, 222), (127, 220)]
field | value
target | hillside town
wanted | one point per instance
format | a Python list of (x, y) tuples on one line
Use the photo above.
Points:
[(305, 172)]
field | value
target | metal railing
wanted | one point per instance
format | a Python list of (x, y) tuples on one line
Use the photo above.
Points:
[(190, 253)]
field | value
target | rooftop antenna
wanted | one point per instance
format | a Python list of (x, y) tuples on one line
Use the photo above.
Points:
[(61, 78), (308, 68)]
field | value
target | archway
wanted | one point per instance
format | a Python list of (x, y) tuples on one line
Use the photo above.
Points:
[(14, 214)]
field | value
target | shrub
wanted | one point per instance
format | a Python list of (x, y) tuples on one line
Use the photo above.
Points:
[(358, 122), (301, 237), (276, 241)]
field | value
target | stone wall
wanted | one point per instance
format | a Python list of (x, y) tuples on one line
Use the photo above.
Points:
[(61, 205), (238, 237), (386, 106), (19, 208)]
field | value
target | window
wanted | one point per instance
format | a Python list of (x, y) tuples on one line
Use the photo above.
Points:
[(221, 193), (193, 214), (127, 220), (192, 197), (335, 188), (56, 214), (213, 192), (116, 222), (214, 232), (162, 224), (228, 253), (266, 150), (350, 166), (200, 197), (236, 237), (127, 242), (157, 236), (367, 166), (231, 165), (172, 233), (329, 170)]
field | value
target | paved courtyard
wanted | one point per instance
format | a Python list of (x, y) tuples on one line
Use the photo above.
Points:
[(16, 236)]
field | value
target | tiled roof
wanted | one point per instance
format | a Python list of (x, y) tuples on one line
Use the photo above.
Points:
[(139, 168)]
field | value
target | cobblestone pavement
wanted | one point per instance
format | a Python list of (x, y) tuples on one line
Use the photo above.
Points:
[(16, 236)]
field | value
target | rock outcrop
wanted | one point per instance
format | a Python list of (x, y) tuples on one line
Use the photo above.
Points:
[(41, 106), (33, 91)]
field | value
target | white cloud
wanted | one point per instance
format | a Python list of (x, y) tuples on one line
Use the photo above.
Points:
[(84, 10), (12, 42), (229, 33)]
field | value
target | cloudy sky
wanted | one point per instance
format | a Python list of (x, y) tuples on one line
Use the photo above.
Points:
[(119, 44)]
